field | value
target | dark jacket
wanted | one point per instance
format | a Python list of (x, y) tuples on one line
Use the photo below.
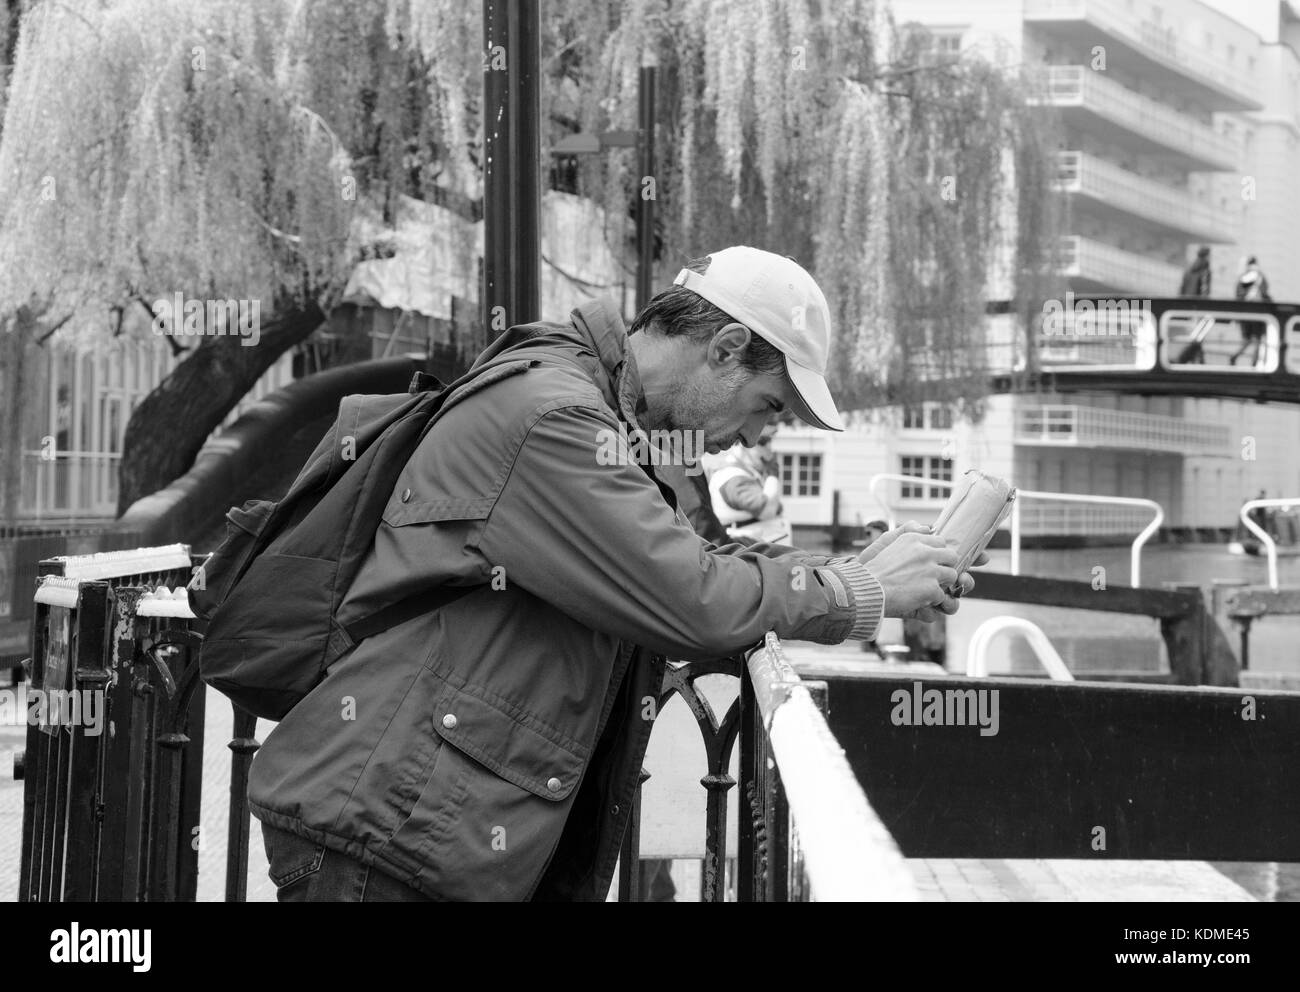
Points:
[(1196, 280), (491, 750)]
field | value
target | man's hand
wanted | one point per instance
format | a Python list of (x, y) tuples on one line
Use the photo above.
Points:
[(914, 567)]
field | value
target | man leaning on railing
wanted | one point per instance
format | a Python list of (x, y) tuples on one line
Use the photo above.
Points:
[(492, 749)]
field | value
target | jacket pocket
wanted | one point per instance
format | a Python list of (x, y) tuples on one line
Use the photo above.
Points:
[(518, 748), (494, 803), (402, 513)]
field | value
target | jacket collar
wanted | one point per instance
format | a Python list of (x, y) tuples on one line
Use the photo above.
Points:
[(605, 331)]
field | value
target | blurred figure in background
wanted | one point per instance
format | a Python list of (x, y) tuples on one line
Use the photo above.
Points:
[(873, 532), (1196, 280), (1252, 287), (745, 486), (1251, 284)]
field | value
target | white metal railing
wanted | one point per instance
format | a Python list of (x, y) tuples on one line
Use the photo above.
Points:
[(1135, 555), (1080, 172), (1089, 259), (1078, 86), (1159, 44), (1266, 540), (977, 653), (849, 854), (1084, 426)]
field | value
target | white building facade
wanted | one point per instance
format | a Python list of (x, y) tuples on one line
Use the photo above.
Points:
[(1181, 128)]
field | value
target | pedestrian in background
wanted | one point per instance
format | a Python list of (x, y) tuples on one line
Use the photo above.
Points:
[(1196, 280), (1252, 287), (745, 486)]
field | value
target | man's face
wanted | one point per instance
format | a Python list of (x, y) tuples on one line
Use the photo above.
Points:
[(715, 395)]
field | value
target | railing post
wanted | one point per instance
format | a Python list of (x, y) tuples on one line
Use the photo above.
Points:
[(243, 745), (1015, 537), (751, 832), (96, 611)]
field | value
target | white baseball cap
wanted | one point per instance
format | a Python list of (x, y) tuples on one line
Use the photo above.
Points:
[(778, 300)]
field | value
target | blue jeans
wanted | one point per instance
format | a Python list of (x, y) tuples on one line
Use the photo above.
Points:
[(304, 871)]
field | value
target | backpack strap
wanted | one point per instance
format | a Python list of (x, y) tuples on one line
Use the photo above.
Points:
[(426, 602), (406, 609)]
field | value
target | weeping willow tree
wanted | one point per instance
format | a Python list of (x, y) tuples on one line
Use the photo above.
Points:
[(225, 149), (908, 184), (220, 149)]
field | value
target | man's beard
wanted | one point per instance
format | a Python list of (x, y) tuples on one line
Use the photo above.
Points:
[(693, 406)]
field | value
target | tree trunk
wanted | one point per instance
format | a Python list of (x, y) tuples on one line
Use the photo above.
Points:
[(17, 330), (171, 424)]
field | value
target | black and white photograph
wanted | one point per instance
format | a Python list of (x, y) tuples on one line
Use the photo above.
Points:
[(651, 451)]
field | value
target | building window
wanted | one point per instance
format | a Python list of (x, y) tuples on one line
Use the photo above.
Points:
[(948, 43), (926, 467), (934, 416), (801, 475)]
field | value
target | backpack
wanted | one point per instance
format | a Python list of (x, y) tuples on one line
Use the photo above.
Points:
[(272, 588)]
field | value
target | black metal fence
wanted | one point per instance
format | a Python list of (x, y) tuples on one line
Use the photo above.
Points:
[(112, 769)]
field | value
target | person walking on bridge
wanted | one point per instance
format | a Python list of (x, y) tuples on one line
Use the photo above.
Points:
[(1196, 280), (1252, 287), (491, 749)]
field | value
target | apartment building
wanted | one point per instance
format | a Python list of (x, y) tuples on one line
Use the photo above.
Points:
[(1181, 128)]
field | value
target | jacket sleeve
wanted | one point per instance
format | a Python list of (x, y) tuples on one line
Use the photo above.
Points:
[(599, 542), (744, 494)]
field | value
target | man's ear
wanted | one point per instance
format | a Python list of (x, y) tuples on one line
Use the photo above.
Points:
[(729, 345)]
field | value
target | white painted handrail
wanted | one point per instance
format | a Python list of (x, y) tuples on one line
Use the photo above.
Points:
[(1266, 540), (977, 653), (1135, 555), (848, 852)]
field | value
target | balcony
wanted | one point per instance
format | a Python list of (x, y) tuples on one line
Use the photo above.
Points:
[(1094, 266), (1108, 189), (1091, 427), (1092, 102), (1160, 55)]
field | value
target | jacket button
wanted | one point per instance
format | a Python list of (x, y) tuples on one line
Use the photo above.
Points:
[(553, 784), (406, 496), (614, 809), (449, 721)]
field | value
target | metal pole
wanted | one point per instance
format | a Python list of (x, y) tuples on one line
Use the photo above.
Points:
[(647, 185), (512, 193)]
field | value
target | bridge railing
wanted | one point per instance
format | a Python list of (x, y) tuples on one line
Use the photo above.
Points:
[(1135, 556), (1265, 539)]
